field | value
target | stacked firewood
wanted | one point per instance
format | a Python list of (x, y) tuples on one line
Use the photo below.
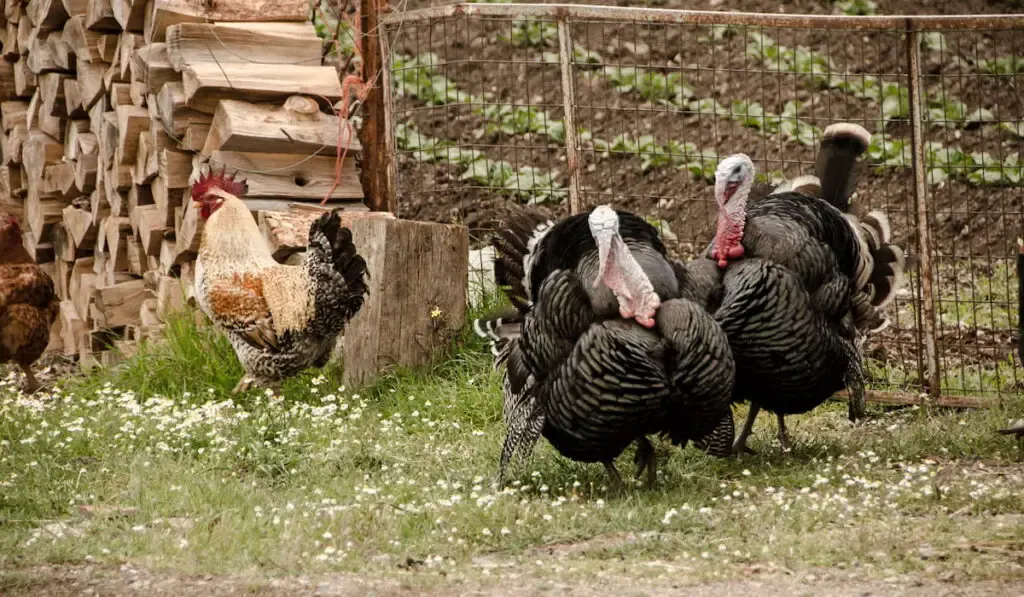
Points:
[(111, 107)]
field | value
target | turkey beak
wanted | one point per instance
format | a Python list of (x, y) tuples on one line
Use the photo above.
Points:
[(732, 184)]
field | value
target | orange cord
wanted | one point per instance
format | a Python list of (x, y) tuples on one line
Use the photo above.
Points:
[(357, 82)]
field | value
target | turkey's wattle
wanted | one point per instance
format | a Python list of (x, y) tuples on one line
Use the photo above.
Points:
[(620, 271), (733, 179)]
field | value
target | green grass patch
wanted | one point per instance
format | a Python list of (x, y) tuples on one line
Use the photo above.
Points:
[(325, 478)]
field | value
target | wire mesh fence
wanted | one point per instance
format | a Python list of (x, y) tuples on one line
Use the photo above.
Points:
[(569, 107)]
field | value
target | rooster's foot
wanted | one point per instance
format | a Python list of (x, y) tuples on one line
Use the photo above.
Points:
[(31, 385), (243, 385)]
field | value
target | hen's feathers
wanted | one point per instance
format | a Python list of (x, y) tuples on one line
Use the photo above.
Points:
[(28, 308)]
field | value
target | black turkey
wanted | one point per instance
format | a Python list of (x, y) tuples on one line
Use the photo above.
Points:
[(803, 280), (600, 349), (1017, 427)]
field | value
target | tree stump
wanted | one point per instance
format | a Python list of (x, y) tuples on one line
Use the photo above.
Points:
[(417, 299)]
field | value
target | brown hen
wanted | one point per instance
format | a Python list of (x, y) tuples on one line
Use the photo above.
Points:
[(28, 304)]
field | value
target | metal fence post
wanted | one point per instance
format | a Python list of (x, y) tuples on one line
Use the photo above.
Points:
[(924, 243), (572, 150)]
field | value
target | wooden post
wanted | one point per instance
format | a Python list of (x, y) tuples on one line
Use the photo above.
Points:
[(417, 299), (928, 319), (376, 174), (572, 150)]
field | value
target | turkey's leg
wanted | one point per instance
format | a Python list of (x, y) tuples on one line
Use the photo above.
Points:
[(857, 401), (740, 445), (613, 475), (646, 459), (783, 440), (31, 385)]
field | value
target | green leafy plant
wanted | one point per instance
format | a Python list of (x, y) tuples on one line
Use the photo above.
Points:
[(531, 33), (527, 183), (857, 7), (664, 88), (1003, 65)]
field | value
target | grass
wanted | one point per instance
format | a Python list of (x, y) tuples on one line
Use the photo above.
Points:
[(401, 475)]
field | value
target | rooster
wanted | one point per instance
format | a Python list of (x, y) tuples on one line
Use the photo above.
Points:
[(28, 304), (280, 319)]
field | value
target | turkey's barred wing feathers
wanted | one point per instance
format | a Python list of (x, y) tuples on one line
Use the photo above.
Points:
[(789, 358), (546, 337), (701, 369)]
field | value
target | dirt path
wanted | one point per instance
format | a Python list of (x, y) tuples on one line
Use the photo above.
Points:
[(52, 581)]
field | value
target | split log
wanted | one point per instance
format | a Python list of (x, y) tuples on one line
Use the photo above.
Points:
[(208, 83), (297, 127), (99, 16), (294, 177), (130, 14), (397, 325), (150, 66), (84, 43), (71, 327), (281, 44), (120, 303), (161, 14)]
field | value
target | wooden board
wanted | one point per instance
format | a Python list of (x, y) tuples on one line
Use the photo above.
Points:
[(416, 269)]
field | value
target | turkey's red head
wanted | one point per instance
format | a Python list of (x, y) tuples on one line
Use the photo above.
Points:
[(208, 201), (733, 179)]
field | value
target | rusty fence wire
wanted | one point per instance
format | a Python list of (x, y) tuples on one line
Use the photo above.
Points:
[(565, 107)]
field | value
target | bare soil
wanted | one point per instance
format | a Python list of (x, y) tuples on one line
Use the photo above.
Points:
[(967, 221), (128, 580)]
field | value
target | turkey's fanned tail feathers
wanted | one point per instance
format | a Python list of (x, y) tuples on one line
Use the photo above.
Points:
[(500, 328), (880, 272), (514, 244), (842, 143)]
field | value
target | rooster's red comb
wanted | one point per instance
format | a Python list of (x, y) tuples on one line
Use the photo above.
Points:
[(220, 180)]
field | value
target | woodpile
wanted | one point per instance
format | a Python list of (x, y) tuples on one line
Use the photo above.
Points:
[(111, 107)]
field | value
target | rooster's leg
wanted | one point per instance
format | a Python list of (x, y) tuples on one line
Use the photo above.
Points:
[(615, 480), (783, 440), (646, 459), (740, 445), (243, 384), (31, 385)]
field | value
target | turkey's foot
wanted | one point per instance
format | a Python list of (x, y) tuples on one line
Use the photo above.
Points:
[(646, 459), (783, 439), (614, 478), (740, 445), (31, 385), (243, 385)]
